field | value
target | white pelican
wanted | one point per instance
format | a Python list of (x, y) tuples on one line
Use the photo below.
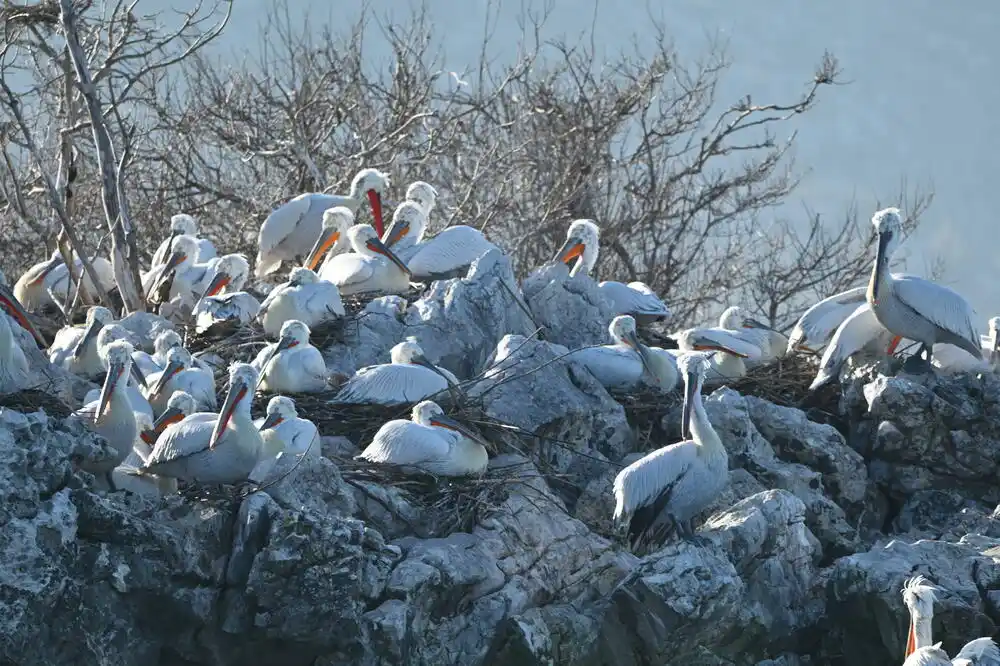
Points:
[(235, 306), (583, 240), (30, 288), (332, 239), (156, 362), (213, 448), (912, 307), (621, 365), (285, 435), (407, 379), (181, 277), (424, 195), (181, 374), (667, 488), (291, 365), (126, 475), (16, 311), (771, 343), (372, 267), (304, 297), (75, 348), (731, 351), (183, 224), (919, 597), (817, 325), (60, 286), (291, 229), (449, 252), (135, 384), (860, 331), (15, 373), (114, 418), (663, 369), (431, 442)]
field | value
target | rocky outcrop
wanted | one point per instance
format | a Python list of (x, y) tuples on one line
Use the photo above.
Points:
[(572, 310)]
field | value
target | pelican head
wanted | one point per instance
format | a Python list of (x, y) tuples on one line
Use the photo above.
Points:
[(336, 222), (119, 357), (692, 367), (622, 330), (242, 382), (408, 218), (97, 318), (184, 248), (113, 333), (41, 271), (231, 272), (409, 351), (13, 307), (423, 195), (179, 406), (583, 239), (182, 223), (178, 359), (293, 333), (374, 184), (301, 275), (888, 225), (429, 413), (919, 597), (365, 241), (734, 318), (279, 410), (166, 341)]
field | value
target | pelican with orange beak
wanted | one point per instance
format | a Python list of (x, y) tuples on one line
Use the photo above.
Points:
[(235, 306), (622, 365), (213, 448), (291, 365), (30, 289), (731, 351), (304, 297), (372, 267), (332, 238), (919, 597), (127, 475), (183, 224), (75, 348), (15, 373), (182, 375), (286, 437)]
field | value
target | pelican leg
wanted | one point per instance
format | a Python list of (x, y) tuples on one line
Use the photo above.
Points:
[(685, 529)]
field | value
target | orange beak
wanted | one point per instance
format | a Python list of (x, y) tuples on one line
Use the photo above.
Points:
[(892, 345), (569, 251), (911, 642), (396, 232), (323, 244), (9, 303), (375, 199), (219, 282)]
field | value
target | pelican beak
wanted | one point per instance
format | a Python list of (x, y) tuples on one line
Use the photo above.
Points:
[(271, 421), (443, 421), (891, 349), (881, 263), (911, 641), (51, 264), (14, 308), (397, 230), (170, 239), (138, 377), (236, 393), (172, 369), (703, 345), (569, 251), (327, 239), (169, 417), (690, 388), (422, 360), (286, 342), (176, 259), (753, 323), (633, 340), (218, 283), (92, 330), (375, 199), (148, 436), (375, 245), (115, 371)]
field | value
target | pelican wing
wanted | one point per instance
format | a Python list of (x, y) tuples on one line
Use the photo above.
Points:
[(613, 366), (313, 364), (206, 250), (819, 322), (63, 344), (856, 332), (161, 255), (633, 298), (146, 363), (401, 442), (928, 656), (239, 306), (938, 304), (980, 652), (322, 299), (732, 341), (273, 296), (262, 356), (649, 481), (391, 384), (449, 250), (199, 384), (300, 437), (348, 269), (180, 440), (281, 223)]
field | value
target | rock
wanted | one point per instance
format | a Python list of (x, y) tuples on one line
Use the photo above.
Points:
[(368, 336), (572, 310), (145, 326)]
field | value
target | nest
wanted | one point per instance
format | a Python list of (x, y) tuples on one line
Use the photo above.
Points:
[(784, 382), (355, 303), (645, 409), (357, 422), (32, 400)]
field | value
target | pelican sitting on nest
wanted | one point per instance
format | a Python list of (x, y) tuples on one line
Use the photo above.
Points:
[(731, 351), (407, 379), (15, 373), (151, 364), (304, 297), (635, 298), (445, 255), (213, 448), (620, 365), (430, 442), (113, 417), (285, 435), (771, 343), (332, 239), (860, 332), (667, 488), (75, 348), (372, 267), (236, 306), (181, 281), (30, 288), (182, 375), (183, 225), (424, 195), (291, 365), (126, 476), (816, 326), (919, 597), (914, 308), (291, 229)]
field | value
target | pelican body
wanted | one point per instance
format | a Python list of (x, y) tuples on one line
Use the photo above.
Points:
[(304, 297), (771, 343), (290, 230), (858, 332), (912, 307), (372, 267), (919, 597), (114, 418), (183, 224), (407, 379), (181, 281), (430, 442), (285, 435), (126, 476), (635, 298), (30, 289), (15, 372), (60, 285), (234, 306), (75, 348), (181, 374), (667, 488), (621, 365), (814, 329), (292, 365), (332, 239)]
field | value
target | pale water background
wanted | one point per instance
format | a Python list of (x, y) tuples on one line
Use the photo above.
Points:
[(922, 103)]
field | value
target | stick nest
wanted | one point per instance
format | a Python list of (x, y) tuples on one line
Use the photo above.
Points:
[(32, 400)]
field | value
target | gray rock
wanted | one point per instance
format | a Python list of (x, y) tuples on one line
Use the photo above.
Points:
[(145, 326), (368, 336), (572, 310)]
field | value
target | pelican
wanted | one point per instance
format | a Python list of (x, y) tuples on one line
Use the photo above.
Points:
[(407, 379), (182, 224), (181, 278), (919, 597), (182, 375), (156, 362), (950, 359), (663, 369), (15, 373), (622, 364), (332, 239), (670, 486), (213, 448), (236, 306), (75, 348), (731, 352), (860, 331), (126, 476), (424, 195), (291, 229), (291, 365), (136, 397), (635, 298), (771, 343), (62, 290), (304, 297), (372, 267), (16, 311), (912, 307), (30, 289), (817, 325), (444, 255), (430, 442), (285, 435), (114, 418)]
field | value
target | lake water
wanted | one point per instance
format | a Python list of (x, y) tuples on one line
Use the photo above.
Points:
[(921, 103)]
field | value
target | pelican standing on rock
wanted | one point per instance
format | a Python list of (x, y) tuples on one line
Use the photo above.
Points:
[(114, 418), (919, 597), (182, 375), (669, 487), (290, 230), (728, 363), (372, 267), (817, 325), (407, 379), (914, 308), (861, 331), (291, 365), (304, 297), (285, 435), (620, 365), (75, 348), (235, 306), (213, 448), (430, 442), (332, 239), (183, 224), (582, 244)]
